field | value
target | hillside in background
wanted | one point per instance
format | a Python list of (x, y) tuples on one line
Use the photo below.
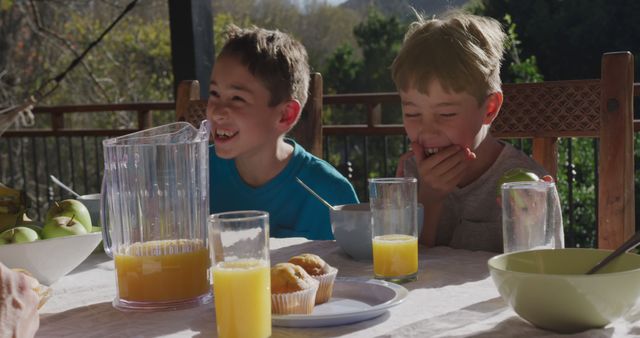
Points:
[(402, 8)]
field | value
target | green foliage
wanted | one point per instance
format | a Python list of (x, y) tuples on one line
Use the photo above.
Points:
[(220, 23), (518, 70), (320, 27), (5, 4), (131, 64), (344, 69), (576, 182), (379, 39), (569, 37)]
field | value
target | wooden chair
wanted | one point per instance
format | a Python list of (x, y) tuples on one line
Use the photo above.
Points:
[(307, 132), (601, 108)]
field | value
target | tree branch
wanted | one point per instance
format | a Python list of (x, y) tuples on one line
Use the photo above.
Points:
[(41, 30)]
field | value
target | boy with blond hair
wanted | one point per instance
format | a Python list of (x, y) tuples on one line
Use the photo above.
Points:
[(448, 76), (258, 87)]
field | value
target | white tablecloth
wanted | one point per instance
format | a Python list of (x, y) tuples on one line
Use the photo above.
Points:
[(453, 297)]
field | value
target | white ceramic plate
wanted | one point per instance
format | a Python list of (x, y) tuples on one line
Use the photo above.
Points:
[(353, 300)]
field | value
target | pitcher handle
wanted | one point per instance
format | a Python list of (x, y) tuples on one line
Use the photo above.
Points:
[(104, 219)]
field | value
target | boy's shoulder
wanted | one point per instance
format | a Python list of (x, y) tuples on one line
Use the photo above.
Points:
[(318, 172), (310, 164)]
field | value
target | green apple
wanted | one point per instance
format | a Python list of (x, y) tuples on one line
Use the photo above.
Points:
[(18, 235), (515, 175), (62, 226), (71, 208)]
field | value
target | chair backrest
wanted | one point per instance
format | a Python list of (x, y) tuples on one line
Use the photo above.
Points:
[(601, 108), (307, 132)]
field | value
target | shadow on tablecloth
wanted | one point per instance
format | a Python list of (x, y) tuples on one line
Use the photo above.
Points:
[(488, 319), (102, 320)]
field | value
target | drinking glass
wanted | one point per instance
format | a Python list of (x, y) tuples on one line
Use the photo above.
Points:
[(394, 231), (531, 216), (241, 273)]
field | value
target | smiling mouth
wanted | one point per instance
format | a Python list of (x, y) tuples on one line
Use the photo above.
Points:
[(224, 134), (430, 151)]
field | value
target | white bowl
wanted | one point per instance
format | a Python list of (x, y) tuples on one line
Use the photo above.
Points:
[(92, 202), (351, 225), (49, 259)]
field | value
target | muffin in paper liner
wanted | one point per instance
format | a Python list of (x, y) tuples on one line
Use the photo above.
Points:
[(325, 289), (298, 302)]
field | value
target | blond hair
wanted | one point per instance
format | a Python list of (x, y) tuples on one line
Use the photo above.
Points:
[(462, 51)]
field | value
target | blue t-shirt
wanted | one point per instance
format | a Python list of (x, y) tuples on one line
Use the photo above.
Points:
[(293, 211)]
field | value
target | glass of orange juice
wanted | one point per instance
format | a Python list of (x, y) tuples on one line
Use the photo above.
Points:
[(394, 228), (239, 242)]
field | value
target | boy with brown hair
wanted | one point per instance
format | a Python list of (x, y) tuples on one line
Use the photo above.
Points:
[(448, 76), (258, 87)]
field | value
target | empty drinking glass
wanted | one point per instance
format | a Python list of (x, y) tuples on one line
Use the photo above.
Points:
[(531, 216)]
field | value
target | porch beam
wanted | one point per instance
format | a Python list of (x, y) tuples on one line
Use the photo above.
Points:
[(191, 24)]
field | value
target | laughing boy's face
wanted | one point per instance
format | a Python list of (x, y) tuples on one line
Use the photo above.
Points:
[(242, 122), (438, 119)]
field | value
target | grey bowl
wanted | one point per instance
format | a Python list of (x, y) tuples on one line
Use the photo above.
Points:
[(351, 225)]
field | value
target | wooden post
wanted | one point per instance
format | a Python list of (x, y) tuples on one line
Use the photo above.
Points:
[(144, 119), (308, 131), (57, 121), (191, 23), (616, 210), (545, 152)]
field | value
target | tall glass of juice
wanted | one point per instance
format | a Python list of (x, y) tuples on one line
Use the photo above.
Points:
[(239, 242), (394, 228)]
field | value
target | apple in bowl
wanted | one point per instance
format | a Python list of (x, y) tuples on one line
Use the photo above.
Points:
[(18, 234)]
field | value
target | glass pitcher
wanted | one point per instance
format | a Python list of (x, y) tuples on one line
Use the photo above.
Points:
[(155, 197)]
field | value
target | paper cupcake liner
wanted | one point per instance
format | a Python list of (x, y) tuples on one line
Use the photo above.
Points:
[(325, 290), (299, 302)]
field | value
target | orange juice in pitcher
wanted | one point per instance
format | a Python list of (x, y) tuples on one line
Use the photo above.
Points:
[(163, 271)]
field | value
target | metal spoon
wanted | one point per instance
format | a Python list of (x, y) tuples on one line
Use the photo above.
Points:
[(626, 246), (316, 195), (63, 186)]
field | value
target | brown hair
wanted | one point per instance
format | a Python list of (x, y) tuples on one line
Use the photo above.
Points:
[(462, 51), (274, 58)]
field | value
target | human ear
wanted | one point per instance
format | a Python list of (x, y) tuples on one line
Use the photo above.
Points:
[(289, 114), (492, 107)]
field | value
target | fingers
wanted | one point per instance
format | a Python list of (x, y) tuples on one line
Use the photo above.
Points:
[(401, 163), (441, 172), (440, 163), (547, 178), (418, 151), (470, 154), (29, 320)]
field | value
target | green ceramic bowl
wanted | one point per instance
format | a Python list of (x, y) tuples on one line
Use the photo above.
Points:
[(549, 288)]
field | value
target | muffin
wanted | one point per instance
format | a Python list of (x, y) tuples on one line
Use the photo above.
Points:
[(293, 291), (320, 271)]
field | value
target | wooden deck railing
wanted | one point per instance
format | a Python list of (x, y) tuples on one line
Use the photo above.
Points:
[(27, 157)]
